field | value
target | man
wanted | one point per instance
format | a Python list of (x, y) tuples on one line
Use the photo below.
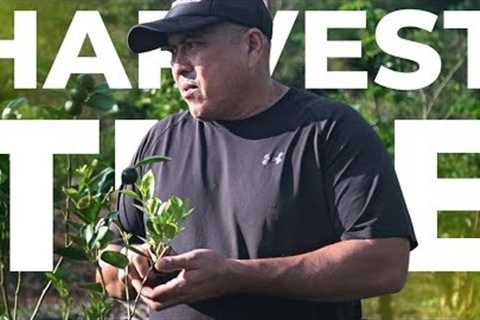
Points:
[(298, 211)]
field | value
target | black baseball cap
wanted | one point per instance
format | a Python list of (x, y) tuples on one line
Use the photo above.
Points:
[(187, 15)]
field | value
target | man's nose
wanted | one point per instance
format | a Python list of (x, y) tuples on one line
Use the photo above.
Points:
[(181, 65)]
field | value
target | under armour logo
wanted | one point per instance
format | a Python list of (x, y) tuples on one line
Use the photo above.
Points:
[(277, 160)]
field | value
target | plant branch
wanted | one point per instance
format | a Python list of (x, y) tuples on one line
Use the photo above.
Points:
[(44, 292), (423, 97), (17, 293), (443, 84), (127, 294), (67, 200), (476, 224), (66, 309), (3, 288), (102, 279), (139, 293)]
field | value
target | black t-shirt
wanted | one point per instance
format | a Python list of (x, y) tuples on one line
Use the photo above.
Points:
[(303, 174)]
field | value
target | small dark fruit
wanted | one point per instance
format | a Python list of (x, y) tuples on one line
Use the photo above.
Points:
[(73, 108), (129, 176), (86, 82), (78, 95)]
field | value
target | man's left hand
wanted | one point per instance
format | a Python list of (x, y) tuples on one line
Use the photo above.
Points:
[(203, 274)]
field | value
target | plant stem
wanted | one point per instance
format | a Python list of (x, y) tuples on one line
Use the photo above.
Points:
[(66, 310), (17, 293), (102, 279), (127, 294), (139, 293), (3, 288), (104, 286), (67, 200), (44, 292)]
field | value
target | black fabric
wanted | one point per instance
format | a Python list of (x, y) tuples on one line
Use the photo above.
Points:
[(146, 37), (303, 174), (194, 15)]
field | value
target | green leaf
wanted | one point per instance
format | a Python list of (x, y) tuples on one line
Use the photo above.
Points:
[(88, 233), (154, 205), (81, 215), (92, 213), (102, 232), (86, 82), (170, 230), (16, 103), (71, 192), (106, 181), (131, 248), (71, 253), (102, 102), (84, 202), (51, 276), (131, 194), (103, 88), (164, 207), (147, 185), (99, 175), (115, 258), (92, 286), (3, 177), (187, 214), (151, 230), (107, 219), (150, 160), (142, 209), (106, 240), (59, 284)]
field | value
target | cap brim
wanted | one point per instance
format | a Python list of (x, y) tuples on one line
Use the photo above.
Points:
[(153, 35)]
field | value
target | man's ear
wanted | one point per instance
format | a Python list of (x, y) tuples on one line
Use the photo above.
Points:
[(256, 45)]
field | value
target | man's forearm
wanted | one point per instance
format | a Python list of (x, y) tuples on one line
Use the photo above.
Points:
[(346, 270)]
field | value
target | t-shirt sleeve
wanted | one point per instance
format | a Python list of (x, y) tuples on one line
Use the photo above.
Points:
[(131, 219), (362, 187)]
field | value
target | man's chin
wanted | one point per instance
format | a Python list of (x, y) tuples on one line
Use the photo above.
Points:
[(201, 112)]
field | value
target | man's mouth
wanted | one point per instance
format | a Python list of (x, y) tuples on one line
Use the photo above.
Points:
[(188, 89)]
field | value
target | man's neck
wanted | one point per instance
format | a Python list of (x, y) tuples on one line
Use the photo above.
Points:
[(259, 100)]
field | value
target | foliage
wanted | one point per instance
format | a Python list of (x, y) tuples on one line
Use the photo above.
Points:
[(428, 295), (164, 219)]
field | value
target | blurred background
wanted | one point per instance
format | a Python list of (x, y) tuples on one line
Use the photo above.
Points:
[(426, 296)]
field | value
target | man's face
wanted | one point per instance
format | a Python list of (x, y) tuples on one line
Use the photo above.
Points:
[(209, 68)]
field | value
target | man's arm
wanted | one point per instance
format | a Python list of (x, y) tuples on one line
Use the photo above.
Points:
[(345, 270)]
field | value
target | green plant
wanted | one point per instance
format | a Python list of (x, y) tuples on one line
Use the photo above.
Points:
[(164, 220)]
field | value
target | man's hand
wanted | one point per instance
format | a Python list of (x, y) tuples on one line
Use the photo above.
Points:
[(203, 275), (344, 271), (138, 265)]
